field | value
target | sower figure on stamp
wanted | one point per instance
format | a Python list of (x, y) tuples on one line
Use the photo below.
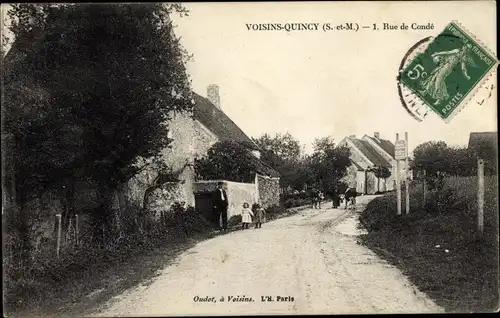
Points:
[(221, 204)]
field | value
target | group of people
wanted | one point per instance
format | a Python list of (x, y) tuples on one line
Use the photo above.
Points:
[(316, 198), (348, 197), (257, 213), (221, 204)]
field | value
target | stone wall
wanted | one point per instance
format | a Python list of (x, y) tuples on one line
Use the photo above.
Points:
[(163, 198), (268, 190), (190, 140), (237, 193)]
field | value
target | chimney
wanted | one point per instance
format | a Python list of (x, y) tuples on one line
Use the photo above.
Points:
[(352, 136), (376, 135), (213, 95)]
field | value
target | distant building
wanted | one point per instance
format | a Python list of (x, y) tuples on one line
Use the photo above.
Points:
[(366, 154), (485, 145)]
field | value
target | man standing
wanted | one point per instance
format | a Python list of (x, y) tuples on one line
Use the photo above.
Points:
[(221, 204)]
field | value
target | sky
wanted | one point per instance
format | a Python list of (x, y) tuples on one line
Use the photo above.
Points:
[(315, 84)]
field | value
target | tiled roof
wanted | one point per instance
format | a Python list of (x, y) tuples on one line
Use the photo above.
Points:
[(386, 145), (219, 123), (224, 128), (357, 166), (370, 153)]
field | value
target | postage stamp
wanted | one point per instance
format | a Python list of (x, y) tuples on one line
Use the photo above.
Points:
[(448, 73)]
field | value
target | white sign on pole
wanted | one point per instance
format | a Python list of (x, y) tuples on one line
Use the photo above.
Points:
[(400, 152)]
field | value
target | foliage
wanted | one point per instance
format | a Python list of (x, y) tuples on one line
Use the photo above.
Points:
[(329, 165), (227, 160), (437, 235), (438, 160), (88, 91), (282, 152), (295, 199), (323, 144), (381, 172), (280, 149), (26, 286)]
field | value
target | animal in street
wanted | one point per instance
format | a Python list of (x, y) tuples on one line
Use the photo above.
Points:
[(349, 197)]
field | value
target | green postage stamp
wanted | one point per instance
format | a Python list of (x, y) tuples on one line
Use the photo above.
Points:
[(448, 73)]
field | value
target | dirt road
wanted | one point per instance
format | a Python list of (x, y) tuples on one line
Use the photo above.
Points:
[(309, 263)]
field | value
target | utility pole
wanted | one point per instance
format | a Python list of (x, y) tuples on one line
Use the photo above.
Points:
[(398, 181), (407, 179), (480, 195)]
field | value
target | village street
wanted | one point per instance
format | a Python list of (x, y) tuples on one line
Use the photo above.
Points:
[(311, 257)]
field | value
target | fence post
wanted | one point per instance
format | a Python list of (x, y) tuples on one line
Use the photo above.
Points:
[(407, 178), (77, 229), (398, 183), (424, 185), (480, 195), (59, 233)]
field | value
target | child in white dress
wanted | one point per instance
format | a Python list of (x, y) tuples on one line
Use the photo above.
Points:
[(246, 216)]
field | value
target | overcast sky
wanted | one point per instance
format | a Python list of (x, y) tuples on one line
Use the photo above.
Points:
[(315, 84)]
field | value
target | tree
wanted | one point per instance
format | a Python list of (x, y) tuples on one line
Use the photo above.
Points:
[(323, 144), (381, 172), (89, 90), (282, 152), (227, 160), (329, 164), (284, 146)]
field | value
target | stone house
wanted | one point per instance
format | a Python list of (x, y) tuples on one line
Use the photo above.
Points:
[(192, 135), (367, 153)]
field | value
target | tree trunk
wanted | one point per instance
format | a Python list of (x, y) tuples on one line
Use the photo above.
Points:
[(147, 193), (107, 215)]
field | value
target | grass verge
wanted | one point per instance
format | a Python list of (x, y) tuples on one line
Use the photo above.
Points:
[(83, 291), (438, 246)]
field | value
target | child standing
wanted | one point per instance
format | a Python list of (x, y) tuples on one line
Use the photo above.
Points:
[(246, 216), (260, 215)]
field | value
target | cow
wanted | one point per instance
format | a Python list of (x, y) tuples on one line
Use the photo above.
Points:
[(349, 196)]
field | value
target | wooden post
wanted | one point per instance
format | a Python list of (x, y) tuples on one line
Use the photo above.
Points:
[(480, 195), (398, 182), (424, 184), (59, 233), (77, 229), (407, 179)]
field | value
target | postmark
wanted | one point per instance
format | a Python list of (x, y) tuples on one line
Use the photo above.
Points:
[(449, 71)]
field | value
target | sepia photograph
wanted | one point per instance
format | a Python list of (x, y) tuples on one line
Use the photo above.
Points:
[(249, 158)]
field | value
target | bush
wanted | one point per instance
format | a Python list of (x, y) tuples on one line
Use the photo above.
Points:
[(141, 232), (294, 200), (234, 220), (274, 211)]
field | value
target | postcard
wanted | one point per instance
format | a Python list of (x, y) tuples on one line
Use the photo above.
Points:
[(249, 158)]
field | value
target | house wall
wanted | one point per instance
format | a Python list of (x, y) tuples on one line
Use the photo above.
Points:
[(237, 193), (190, 139), (371, 183), (360, 181), (351, 177)]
